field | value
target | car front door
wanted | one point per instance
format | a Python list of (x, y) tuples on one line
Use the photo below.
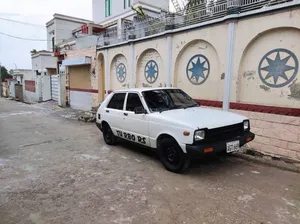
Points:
[(136, 125), (114, 112)]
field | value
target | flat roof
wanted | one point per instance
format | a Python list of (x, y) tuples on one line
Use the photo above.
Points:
[(68, 18)]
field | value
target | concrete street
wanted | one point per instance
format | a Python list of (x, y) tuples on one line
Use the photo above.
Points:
[(58, 170)]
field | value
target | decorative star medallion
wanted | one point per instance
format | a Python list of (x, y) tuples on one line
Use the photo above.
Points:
[(197, 69), (151, 71), (121, 72), (278, 68)]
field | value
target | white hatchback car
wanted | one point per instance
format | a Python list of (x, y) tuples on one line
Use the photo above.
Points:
[(170, 121)]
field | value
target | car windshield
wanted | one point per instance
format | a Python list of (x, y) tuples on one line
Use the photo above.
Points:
[(168, 99)]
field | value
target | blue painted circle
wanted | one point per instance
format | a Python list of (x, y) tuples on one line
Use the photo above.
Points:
[(199, 71), (277, 67), (121, 72), (151, 71)]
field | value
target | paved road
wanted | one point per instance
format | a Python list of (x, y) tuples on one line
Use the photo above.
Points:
[(57, 170)]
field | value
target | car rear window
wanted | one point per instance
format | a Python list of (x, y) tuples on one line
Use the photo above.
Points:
[(117, 101)]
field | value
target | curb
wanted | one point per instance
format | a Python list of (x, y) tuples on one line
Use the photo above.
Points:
[(249, 155)]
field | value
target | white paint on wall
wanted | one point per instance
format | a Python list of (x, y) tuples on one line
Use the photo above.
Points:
[(46, 88), (80, 100)]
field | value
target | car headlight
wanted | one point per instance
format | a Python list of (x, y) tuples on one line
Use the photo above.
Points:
[(199, 135), (246, 125)]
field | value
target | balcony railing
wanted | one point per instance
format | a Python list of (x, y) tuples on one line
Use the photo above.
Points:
[(197, 13)]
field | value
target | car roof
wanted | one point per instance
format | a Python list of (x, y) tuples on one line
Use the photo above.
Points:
[(141, 89)]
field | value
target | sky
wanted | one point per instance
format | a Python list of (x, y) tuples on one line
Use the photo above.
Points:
[(15, 53)]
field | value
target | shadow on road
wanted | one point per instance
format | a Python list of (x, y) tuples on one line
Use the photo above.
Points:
[(208, 164)]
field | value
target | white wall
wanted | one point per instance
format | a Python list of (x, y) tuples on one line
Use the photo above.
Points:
[(48, 61), (36, 63), (87, 41), (49, 36), (118, 7), (46, 88), (163, 4), (43, 61), (63, 29), (80, 100)]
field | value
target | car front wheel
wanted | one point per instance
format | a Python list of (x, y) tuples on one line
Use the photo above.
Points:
[(172, 156)]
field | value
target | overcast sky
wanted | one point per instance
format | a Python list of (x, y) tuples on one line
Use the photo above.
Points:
[(16, 52)]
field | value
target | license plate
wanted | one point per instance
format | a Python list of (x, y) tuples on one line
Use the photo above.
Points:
[(232, 146)]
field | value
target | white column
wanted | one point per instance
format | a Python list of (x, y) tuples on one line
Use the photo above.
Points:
[(107, 76), (62, 86), (119, 28), (169, 61), (132, 67), (229, 65)]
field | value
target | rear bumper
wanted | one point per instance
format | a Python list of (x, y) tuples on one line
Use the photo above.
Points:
[(99, 126), (196, 151)]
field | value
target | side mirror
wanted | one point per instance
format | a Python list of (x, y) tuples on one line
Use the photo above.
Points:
[(140, 110)]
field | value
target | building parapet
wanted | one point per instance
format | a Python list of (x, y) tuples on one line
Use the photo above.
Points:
[(194, 16)]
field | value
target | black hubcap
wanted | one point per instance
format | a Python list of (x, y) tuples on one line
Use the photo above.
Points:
[(172, 155)]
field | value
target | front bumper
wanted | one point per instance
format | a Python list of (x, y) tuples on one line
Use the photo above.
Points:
[(198, 150), (99, 126)]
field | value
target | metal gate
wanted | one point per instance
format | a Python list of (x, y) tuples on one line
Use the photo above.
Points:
[(54, 87), (12, 92)]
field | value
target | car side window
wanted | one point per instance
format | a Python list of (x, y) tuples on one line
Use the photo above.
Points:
[(117, 101), (133, 101)]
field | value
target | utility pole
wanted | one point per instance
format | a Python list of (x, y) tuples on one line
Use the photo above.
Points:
[(0, 81)]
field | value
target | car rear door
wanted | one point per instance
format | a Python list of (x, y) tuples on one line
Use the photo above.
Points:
[(114, 112), (136, 126)]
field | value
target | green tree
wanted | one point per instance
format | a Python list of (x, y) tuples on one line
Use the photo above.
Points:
[(4, 73), (34, 51)]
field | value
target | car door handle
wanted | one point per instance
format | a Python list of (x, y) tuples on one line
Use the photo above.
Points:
[(126, 114), (107, 111)]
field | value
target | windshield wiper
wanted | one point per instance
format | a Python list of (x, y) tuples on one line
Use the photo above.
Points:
[(176, 107), (193, 105), (171, 108)]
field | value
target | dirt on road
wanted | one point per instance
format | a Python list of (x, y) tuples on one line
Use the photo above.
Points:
[(57, 170)]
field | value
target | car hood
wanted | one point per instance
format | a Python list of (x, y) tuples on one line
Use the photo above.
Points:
[(199, 117)]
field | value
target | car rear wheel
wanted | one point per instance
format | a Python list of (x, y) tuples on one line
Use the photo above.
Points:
[(108, 135), (172, 156)]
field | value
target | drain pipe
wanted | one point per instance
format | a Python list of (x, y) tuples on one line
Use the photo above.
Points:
[(132, 67), (169, 61), (107, 78), (229, 65)]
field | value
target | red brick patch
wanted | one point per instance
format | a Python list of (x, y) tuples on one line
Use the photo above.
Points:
[(253, 107), (30, 85)]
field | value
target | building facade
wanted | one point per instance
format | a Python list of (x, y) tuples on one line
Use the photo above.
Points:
[(192, 53)]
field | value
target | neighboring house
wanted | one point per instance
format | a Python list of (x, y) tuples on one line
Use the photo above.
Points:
[(71, 52), (59, 29), (77, 54), (19, 75), (15, 85), (81, 79), (43, 61)]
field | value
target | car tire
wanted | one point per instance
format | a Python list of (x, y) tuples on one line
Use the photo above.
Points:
[(108, 135), (172, 156)]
